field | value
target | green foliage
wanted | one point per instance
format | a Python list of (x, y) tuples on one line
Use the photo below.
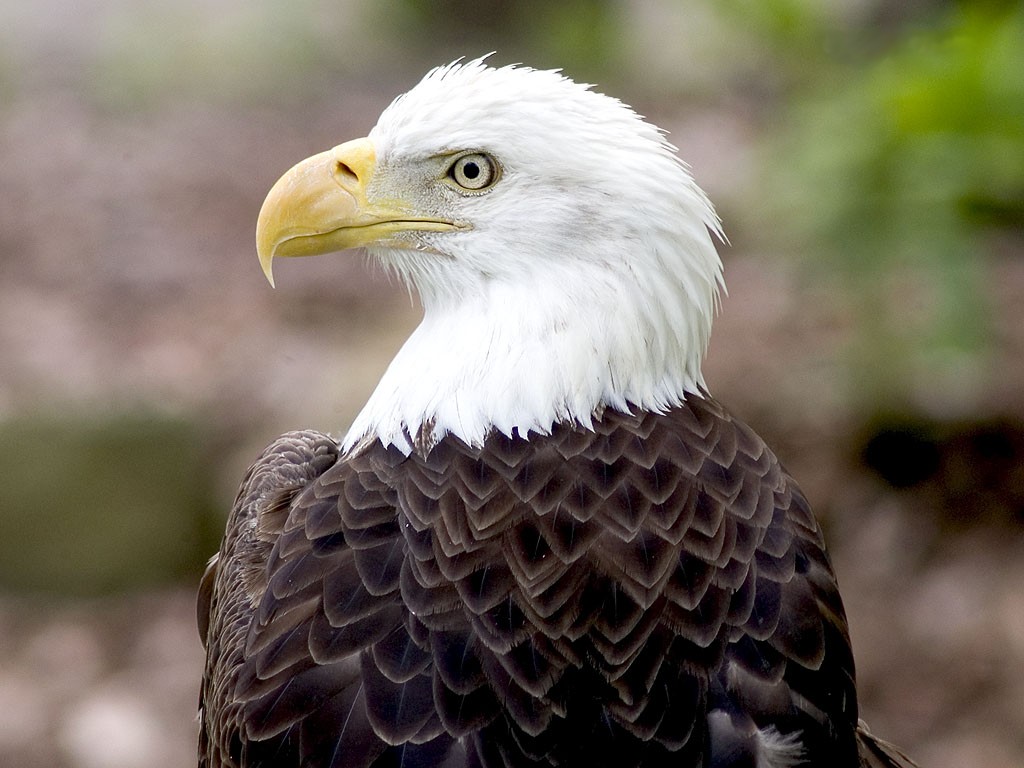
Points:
[(577, 35), (148, 51), (89, 505), (798, 26), (892, 174)]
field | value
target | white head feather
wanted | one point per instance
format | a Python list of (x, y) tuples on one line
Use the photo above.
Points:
[(586, 278)]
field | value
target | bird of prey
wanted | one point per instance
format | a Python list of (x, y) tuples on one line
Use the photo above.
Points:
[(542, 542)]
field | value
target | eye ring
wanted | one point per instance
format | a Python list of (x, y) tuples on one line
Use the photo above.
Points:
[(473, 172)]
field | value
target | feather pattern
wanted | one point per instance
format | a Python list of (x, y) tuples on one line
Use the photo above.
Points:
[(697, 625)]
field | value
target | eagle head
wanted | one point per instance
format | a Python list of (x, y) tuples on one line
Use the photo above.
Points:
[(562, 252)]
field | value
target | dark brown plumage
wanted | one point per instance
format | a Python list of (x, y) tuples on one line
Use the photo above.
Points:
[(648, 593)]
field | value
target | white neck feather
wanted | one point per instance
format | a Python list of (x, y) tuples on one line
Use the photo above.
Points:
[(524, 355)]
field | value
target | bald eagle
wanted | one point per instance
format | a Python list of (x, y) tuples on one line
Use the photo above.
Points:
[(542, 542)]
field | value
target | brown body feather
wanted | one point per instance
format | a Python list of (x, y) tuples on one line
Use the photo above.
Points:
[(651, 592)]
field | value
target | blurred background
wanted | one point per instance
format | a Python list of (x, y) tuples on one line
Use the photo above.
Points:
[(867, 157)]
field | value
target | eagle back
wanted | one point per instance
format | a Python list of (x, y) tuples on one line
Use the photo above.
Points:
[(652, 591)]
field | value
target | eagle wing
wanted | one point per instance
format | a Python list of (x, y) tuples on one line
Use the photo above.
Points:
[(235, 585), (651, 591)]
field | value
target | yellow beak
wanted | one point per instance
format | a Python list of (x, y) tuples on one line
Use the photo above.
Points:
[(320, 206)]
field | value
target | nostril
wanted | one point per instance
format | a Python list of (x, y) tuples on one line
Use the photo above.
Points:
[(343, 169)]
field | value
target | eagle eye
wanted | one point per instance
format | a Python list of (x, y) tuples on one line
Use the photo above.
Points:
[(473, 172)]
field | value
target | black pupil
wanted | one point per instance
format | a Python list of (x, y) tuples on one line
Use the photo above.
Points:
[(470, 169)]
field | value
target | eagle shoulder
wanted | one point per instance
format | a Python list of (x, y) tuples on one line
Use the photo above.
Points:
[(235, 578)]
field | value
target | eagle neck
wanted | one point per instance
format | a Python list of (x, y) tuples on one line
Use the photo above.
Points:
[(522, 356)]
